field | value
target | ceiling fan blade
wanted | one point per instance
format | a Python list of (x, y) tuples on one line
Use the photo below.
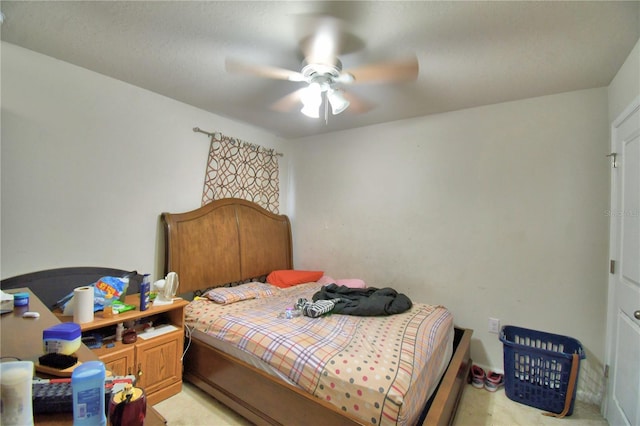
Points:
[(288, 102), (398, 70), (357, 105), (322, 38), (266, 71)]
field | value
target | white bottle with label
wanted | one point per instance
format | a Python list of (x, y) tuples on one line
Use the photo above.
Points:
[(119, 332), (15, 381)]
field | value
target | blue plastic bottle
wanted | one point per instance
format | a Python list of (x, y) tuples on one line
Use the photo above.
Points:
[(87, 383), (145, 291)]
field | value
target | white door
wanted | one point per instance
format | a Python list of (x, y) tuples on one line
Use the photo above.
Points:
[(623, 331)]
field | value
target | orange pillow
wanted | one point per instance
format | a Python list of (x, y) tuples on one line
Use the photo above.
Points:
[(289, 277)]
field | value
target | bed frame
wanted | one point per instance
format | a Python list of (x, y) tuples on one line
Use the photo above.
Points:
[(232, 240)]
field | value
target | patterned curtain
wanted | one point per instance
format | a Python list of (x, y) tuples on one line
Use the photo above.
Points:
[(239, 169)]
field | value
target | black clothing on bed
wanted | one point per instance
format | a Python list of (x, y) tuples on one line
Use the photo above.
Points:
[(368, 301)]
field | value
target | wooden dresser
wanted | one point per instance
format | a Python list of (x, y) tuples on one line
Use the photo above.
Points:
[(156, 362)]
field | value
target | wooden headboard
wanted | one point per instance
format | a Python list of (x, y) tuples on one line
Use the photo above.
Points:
[(225, 241)]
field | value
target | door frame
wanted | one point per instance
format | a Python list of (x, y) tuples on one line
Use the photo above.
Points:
[(614, 223)]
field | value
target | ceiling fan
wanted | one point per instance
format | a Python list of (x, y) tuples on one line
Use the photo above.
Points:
[(322, 73)]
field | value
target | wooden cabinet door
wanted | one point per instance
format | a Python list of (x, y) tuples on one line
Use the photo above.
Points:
[(158, 362), (119, 362)]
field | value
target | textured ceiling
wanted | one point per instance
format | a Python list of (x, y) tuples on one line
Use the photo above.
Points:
[(470, 53)]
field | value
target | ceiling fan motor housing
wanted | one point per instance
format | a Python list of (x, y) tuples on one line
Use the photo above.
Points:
[(326, 75)]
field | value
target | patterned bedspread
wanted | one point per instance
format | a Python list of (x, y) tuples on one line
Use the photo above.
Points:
[(379, 369)]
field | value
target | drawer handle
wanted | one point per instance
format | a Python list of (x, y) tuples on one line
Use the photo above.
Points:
[(139, 370)]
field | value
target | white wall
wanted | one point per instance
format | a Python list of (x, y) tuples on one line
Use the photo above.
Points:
[(625, 86), (497, 211), (90, 162)]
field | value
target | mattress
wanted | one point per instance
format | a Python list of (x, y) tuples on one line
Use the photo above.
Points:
[(379, 369)]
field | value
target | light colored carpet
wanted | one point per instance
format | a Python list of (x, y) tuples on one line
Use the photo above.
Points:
[(479, 407), (192, 407)]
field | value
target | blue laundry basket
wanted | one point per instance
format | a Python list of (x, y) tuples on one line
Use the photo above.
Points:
[(537, 367)]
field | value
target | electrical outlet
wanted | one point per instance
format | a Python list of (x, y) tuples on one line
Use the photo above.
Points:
[(494, 325)]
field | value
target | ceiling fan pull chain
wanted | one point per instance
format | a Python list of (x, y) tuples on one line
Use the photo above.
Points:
[(326, 109)]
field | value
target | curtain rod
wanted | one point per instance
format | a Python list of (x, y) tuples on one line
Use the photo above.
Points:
[(213, 135), (199, 130)]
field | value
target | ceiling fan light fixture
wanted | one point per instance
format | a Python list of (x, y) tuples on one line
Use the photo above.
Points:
[(311, 111), (337, 101), (311, 95), (311, 98)]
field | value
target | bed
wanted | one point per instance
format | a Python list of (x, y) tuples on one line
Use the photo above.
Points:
[(232, 241)]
